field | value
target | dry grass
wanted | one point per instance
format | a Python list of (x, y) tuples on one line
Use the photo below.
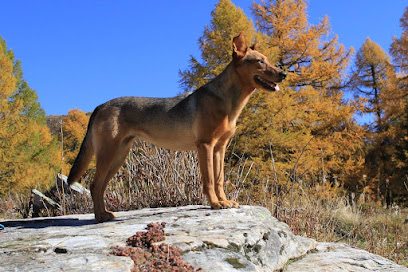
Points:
[(368, 226), (154, 177)]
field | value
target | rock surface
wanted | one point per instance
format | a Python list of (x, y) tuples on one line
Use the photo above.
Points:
[(244, 239), (333, 257)]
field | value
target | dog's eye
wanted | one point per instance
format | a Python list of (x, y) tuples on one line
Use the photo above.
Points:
[(261, 61)]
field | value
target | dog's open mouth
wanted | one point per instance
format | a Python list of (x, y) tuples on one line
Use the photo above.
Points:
[(268, 85)]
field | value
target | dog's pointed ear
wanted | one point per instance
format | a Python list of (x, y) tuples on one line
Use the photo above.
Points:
[(255, 45), (239, 46)]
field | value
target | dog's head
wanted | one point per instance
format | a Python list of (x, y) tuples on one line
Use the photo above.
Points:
[(253, 67)]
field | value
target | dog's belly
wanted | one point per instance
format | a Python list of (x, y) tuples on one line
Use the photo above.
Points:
[(173, 139), (175, 145)]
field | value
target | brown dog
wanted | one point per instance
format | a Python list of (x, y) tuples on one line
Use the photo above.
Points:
[(203, 120)]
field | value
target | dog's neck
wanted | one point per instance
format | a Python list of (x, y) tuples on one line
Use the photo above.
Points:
[(232, 89)]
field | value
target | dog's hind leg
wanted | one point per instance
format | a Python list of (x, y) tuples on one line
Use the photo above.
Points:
[(106, 152), (110, 160), (120, 157), (103, 163)]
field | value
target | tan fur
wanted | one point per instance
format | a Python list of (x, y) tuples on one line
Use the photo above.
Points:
[(203, 120)]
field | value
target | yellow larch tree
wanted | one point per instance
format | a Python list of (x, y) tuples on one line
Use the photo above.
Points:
[(216, 44), (375, 80), (74, 128), (28, 152), (308, 125), (398, 111)]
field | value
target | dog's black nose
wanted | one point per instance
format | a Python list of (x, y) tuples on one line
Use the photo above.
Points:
[(283, 75)]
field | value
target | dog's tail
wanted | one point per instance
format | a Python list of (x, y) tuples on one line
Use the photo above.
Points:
[(85, 154)]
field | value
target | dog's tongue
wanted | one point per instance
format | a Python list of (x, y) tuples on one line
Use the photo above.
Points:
[(277, 87)]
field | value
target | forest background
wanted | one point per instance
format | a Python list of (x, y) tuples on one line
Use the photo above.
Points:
[(297, 150)]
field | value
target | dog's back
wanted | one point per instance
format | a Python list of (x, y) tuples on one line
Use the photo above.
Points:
[(165, 122)]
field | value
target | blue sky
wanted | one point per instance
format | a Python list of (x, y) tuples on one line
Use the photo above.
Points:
[(79, 54)]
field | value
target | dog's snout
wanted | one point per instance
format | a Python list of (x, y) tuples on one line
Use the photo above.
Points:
[(282, 74)]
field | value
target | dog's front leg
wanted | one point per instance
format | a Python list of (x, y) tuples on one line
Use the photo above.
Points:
[(205, 157), (219, 155)]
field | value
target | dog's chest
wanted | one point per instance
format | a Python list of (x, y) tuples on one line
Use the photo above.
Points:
[(225, 129)]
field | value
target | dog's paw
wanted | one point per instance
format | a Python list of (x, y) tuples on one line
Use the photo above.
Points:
[(224, 204), (216, 205), (229, 204), (104, 216)]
